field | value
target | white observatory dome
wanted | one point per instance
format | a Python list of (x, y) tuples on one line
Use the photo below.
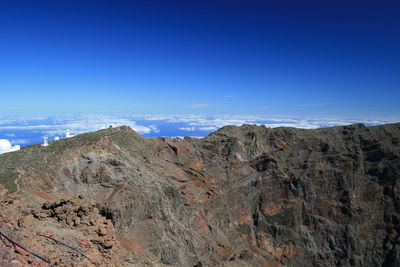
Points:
[(5, 146)]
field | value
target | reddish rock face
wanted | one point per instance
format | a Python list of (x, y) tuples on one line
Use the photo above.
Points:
[(242, 196), (67, 233)]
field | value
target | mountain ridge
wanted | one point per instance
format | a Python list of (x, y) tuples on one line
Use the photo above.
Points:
[(241, 196)]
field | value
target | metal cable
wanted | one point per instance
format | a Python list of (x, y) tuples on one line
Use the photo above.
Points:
[(18, 245), (63, 244)]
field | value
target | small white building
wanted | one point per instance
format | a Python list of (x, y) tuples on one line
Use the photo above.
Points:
[(5, 146), (68, 134), (45, 142)]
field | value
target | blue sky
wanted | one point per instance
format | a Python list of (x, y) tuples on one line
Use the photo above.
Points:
[(285, 58)]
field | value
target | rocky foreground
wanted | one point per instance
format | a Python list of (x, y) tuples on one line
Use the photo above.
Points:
[(242, 196)]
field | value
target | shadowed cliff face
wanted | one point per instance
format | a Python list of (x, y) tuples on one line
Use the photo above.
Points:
[(242, 196)]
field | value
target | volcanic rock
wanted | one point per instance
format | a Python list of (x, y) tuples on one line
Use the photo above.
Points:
[(242, 196)]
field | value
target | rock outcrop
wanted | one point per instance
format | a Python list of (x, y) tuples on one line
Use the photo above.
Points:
[(62, 233), (242, 196)]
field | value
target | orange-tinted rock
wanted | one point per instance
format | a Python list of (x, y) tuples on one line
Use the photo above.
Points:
[(21, 251), (243, 219), (131, 245), (84, 244), (278, 250), (225, 252), (270, 263)]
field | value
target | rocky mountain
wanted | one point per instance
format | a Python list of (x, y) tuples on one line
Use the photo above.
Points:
[(242, 196)]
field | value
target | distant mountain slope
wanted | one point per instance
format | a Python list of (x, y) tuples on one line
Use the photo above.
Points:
[(242, 196)]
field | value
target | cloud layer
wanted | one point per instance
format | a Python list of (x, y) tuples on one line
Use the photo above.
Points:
[(20, 131), (78, 125), (212, 123)]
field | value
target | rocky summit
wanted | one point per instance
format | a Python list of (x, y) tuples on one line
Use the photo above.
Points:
[(242, 196)]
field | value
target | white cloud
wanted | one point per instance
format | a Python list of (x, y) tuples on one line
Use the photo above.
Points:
[(10, 135), (6, 121), (26, 127), (189, 129), (210, 123), (19, 141), (82, 124), (209, 128)]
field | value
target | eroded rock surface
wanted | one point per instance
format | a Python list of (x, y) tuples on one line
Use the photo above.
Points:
[(242, 196), (63, 232)]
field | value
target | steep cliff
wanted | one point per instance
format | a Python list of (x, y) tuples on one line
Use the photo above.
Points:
[(242, 196)]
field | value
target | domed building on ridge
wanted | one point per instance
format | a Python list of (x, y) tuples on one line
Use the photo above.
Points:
[(6, 146)]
